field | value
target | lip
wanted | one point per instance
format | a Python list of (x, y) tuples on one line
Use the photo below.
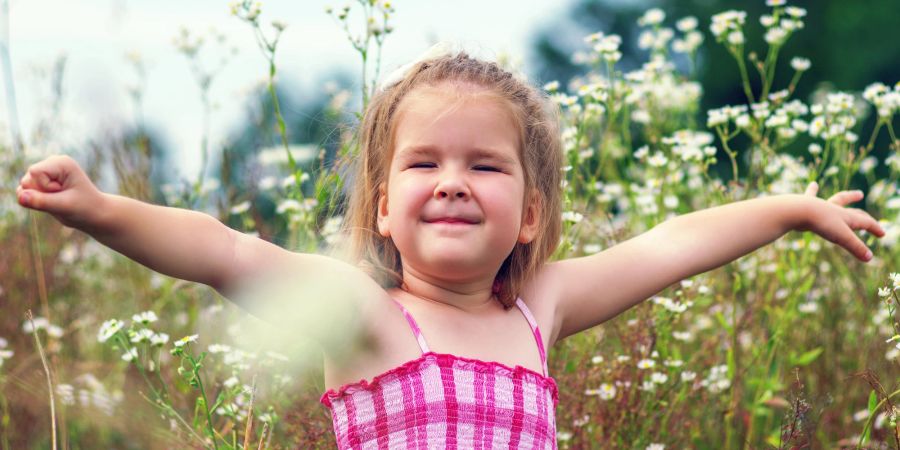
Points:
[(453, 220)]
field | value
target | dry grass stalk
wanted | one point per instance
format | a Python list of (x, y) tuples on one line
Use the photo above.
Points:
[(38, 264), (249, 426), (263, 438), (40, 348)]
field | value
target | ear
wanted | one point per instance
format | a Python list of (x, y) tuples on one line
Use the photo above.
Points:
[(531, 218), (383, 211)]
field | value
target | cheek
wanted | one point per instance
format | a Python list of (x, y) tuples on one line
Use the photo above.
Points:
[(407, 195), (507, 196), (505, 201)]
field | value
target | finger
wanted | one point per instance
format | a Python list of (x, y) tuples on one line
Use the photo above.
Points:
[(47, 178), (845, 198), (812, 189), (855, 246), (27, 182), (38, 200), (868, 223), (25, 197), (848, 239)]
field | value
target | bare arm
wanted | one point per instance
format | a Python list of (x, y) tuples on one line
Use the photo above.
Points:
[(177, 242), (181, 243), (317, 295), (595, 288)]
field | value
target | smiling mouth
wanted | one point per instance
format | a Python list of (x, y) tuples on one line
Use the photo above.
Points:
[(452, 221)]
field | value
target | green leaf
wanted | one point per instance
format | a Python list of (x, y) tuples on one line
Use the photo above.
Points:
[(873, 402), (774, 439), (771, 347), (737, 283), (807, 358), (219, 400), (198, 408), (729, 358), (723, 323)]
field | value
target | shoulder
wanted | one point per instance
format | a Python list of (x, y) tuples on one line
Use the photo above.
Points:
[(321, 275), (321, 297)]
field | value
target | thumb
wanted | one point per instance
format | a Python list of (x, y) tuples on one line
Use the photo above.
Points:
[(41, 201), (812, 189)]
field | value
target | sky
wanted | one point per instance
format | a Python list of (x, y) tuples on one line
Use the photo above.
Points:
[(94, 37)]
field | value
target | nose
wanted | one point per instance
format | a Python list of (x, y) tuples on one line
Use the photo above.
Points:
[(451, 186)]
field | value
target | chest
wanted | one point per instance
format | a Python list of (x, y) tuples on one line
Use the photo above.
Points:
[(504, 337)]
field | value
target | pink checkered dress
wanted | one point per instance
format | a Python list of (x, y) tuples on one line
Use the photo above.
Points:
[(439, 401)]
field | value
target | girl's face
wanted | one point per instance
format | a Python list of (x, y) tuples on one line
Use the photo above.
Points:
[(454, 204)]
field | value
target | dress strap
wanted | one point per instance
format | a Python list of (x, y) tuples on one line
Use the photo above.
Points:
[(417, 332), (534, 329)]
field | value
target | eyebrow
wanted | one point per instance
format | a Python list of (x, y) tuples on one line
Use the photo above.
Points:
[(477, 153)]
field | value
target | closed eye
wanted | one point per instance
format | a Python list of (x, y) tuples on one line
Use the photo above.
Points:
[(487, 169), (422, 165)]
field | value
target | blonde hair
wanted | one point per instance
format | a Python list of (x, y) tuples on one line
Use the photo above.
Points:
[(540, 152)]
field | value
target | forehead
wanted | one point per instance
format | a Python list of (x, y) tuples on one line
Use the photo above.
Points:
[(455, 115)]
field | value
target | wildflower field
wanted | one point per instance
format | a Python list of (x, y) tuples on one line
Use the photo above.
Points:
[(794, 346)]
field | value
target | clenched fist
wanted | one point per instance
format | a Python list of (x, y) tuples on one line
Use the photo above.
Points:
[(58, 186)]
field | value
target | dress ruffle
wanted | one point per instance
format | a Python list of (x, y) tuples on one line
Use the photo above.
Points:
[(442, 360)]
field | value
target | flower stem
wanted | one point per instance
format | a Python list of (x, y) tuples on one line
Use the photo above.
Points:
[(872, 417), (4, 419), (196, 370), (731, 153), (282, 131), (745, 80), (40, 348), (771, 61)]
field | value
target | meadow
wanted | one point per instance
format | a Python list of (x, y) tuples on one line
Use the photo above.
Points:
[(794, 346)]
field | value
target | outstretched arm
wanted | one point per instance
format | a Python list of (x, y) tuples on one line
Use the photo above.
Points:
[(181, 243), (595, 288), (317, 295)]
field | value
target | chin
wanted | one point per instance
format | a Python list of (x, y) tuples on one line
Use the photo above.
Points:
[(455, 269)]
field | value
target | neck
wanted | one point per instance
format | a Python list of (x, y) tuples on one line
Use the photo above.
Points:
[(471, 295)]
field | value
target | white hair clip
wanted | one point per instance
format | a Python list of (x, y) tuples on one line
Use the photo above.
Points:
[(436, 51)]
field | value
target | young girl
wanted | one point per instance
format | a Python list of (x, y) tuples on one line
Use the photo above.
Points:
[(454, 213)]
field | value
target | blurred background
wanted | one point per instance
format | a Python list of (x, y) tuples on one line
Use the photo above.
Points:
[(101, 68), (87, 60)]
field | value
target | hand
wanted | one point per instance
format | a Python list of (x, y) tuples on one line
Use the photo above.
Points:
[(831, 220), (58, 186)]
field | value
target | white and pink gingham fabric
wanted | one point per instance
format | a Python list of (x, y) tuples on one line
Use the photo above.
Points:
[(442, 401)]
